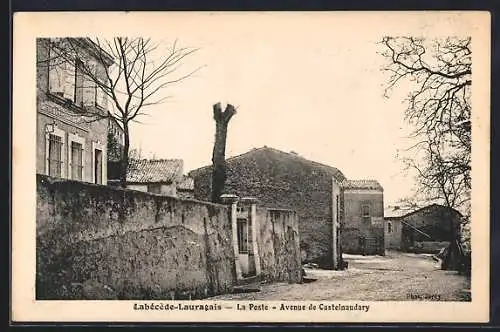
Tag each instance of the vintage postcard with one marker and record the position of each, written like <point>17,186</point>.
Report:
<point>251,166</point>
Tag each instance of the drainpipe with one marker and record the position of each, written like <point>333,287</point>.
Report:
<point>232,201</point>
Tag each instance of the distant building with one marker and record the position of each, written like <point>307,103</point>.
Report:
<point>158,176</point>
<point>362,229</point>
<point>68,144</point>
<point>427,229</point>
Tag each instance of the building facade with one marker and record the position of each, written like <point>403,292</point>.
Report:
<point>285,180</point>
<point>362,229</point>
<point>427,229</point>
<point>72,127</point>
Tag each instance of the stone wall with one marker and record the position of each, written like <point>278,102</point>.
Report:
<point>279,245</point>
<point>286,181</point>
<point>139,245</point>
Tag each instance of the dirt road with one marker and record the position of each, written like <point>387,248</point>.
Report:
<point>394,277</point>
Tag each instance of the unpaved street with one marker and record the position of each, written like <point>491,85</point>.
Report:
<point>394,277</point>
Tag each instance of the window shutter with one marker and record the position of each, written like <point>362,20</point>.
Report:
<point>89,93</point>
<point>101,98</point>
<point>56,75</point>
<point>69,81</point>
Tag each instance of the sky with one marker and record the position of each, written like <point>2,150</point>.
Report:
<point>309,84</point>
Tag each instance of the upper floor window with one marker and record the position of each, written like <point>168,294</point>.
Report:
<point>61,77</point>
<point>389,227</point>
<point>365,212</point>
<point>74,80</point>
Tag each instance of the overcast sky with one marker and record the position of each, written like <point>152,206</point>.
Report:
<point>307,83</point>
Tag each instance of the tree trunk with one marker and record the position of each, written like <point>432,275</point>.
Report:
<point>124,160</point>
<point>452,258</point>
<point>219,153</point>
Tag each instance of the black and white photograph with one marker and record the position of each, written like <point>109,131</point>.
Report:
<point>262,164</point>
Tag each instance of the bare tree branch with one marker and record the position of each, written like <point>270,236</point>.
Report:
<point>130,78</point>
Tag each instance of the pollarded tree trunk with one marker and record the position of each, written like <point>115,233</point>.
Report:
<point>219,153</point>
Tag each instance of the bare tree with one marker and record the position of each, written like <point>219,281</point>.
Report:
<point>132,83</point>
<point>219,152</point>
<point>438,74</point>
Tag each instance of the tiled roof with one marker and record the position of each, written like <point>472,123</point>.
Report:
<point>186,183</point>
<point>399,212</point>
<point>395,212</point>
<point>362,184</point>
<point>290,155</point>
<point>150,171</point>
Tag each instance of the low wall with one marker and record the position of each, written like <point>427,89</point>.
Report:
<point>279,245</point>
<point>428,247</point>
<point>369,241</point>
<point>135,245</point>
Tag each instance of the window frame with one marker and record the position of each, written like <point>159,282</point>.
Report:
<point>366,217</point>
<point>62,134</point>
<point>80,140</point>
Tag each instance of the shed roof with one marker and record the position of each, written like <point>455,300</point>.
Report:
<point>154,170</point>
<point>401,212</point>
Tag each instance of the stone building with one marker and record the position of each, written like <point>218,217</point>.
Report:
<point>287,181</point>
<point>68,144</point>
<point>427,229</point>
<point>362,229</point>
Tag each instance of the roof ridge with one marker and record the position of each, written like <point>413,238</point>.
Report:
<point>265,147</point>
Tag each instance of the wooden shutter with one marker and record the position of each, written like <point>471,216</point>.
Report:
<point>56,75</point>
<point>69,81</point>
<point>89,93</point>
<point>101,98</point>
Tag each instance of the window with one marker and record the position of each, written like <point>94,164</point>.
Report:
<point>154,188</point>
<point>389,227</point>
<point>76,161</point>
<point>85,88</point>
<point>98,166</point>
<point>61,76</point>
<point>55,151</point>
<point>101,99</point>
<point>242,228</point>
<point>55,156</point>
<point>76,156</point>
<point>365,212</point>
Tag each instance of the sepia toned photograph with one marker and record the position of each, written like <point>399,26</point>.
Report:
<point>229,167</point>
